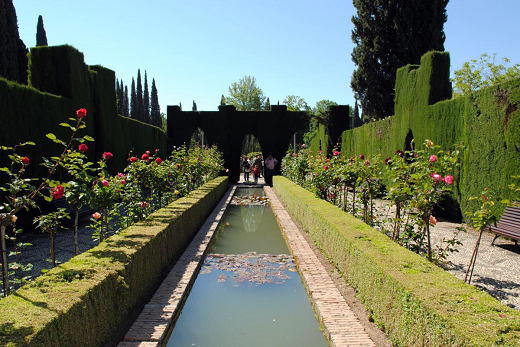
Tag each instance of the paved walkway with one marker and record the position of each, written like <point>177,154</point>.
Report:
<point>341,326</point>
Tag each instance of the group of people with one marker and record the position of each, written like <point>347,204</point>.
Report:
<point>259,168</point>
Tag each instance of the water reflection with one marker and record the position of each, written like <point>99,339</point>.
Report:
<point>251,216</point>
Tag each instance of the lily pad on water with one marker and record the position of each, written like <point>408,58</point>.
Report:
<point>249,200</point>
<point>251,267</point>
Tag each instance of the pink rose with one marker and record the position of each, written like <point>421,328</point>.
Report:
<point>133,159</point>
<point>303,145</point>
<point>335,153</point>
<point>367,162</point>
<point>433,158</point>
<point>123,182</point>
<point>436,177</point>
<point>96,215</point>
<point>144,204</point>
<point>145,157</point>
<point>362,156</point>
<point>433,220</point>
<point>105,183</point>
<point>107,155</point>
<point>326,167</point>
<point>448,179</point>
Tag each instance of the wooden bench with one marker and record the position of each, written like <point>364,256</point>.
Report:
<point>508,225</point>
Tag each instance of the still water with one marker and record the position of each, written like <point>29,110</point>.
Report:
<point>248,292</point>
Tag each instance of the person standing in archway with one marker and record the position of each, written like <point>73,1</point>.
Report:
<point>270,163</point>
<point>246,164</point>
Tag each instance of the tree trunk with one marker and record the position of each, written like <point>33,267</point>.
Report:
<point>428,240</point>
<point>76,217</point>
<point>53,254</point>
<point>5,273</point>
<point>473,259</point>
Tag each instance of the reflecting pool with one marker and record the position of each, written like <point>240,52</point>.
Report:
<point>248,292</point>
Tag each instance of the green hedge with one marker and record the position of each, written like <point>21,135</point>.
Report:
<point>60,83</point>
<point>487,122</point>
<point>83,302</point>
<point>415,302</point>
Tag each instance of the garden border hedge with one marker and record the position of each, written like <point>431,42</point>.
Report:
<point>85,301</point>
<point>414,301</point>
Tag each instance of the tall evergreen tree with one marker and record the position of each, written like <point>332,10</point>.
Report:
<point>121,98</point>
<point>155,109</point>
<point>126,111</point>
<point>194,107</point>
<point>222,100</point>
<point>13,52</point>
<point>41,36</point>
<point>268,105</point>
<point>133,101</point>
<point>139,98</point>
<point>390,34</point>
<point>146,100</point>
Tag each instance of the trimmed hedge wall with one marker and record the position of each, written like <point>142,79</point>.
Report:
<point>417,303</point>
<point>60,83</point>
<point>487,122</point>
<point>83,302</point>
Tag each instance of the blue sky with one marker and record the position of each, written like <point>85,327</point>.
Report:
<point>195,49</point>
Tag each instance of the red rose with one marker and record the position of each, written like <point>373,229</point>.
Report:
<point>81,113</point>
<point>326,167</point>
<point>158,160</point>
<point>25,161</point>
<point>145,157</point>
<point>133,159</point>
<point>107,155</point>
<point>83,148</point>
<point>362,157</point>
<point>58,192</point>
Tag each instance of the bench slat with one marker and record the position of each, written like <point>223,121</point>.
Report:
<point>509,224</point>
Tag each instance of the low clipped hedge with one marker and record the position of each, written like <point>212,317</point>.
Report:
<point>414,301</point>
<point>85,301</point>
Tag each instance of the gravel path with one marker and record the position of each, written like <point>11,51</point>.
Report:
<point>497,269</point>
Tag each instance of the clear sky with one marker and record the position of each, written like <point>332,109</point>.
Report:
<point>195,49</point>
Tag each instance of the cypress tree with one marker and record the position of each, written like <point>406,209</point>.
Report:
<point>139,98</point>
<point>390,34</point>
<point>126,111</point>
<point>268,105</point>
<point>222,100</point>
<point>155,109</point>
<point>13,52</point>
<point>118,100</point>
<point>121,98</point>
<point>41,36</point>
<point>133,101</point>
<point>194,107</point>
<point>146,100</point>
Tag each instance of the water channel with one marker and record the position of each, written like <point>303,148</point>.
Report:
<point>248,292</point>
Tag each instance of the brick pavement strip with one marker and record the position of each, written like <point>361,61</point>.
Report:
<point>342,327</point>
<point>154,322</point>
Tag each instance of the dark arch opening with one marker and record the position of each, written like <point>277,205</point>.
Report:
<point>250,149</point>
<point>198,138</point>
